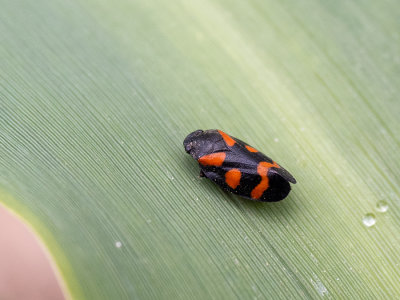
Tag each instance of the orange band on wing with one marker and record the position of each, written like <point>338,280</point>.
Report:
<point>251,149</point>
<point>214,159</point>
<point>232,178</point>
<point>262,169</point>
<point>228,140</point>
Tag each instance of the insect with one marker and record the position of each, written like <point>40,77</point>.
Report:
<point>237,167</point>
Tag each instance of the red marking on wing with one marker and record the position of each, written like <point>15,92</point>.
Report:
<point>232,178</point>
<point>262,169</point>
<point>214,159</point>
<point>228,140</point>
<point>251,149</point>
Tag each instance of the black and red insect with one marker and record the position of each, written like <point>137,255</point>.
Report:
<point>237,167</point>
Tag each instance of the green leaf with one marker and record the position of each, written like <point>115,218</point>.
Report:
<point>97,97</point>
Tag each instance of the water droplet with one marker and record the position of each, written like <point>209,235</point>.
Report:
<point>118,244</point>
<point>382,206</point>
<point>276,140</point>
<point>148,221</point>
<point>236,261</point>
<point>369,220</point>
<point>170,176</point>
<point>302,129</point>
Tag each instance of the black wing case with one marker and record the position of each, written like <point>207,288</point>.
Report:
<point>262,157</point>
